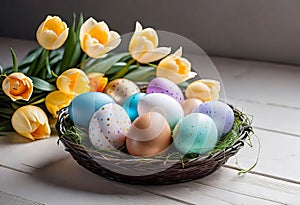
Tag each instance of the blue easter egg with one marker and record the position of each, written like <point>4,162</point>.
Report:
<point>196,133</point>
<point>85,105</point>
<point>220,112</point>
<point>131,103</point>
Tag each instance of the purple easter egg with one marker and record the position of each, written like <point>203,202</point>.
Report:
<point>220,112</point>
<point>165,86</point>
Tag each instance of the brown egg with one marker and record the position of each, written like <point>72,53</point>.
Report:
<point>148,135</point>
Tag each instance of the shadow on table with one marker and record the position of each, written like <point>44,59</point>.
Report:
<point>67,173</point>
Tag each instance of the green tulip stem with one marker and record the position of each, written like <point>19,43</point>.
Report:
<point>48,63</point>
<point>152,65</point>
<point>123,70</point>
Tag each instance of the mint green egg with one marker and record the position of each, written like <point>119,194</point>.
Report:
<point>196,133</point>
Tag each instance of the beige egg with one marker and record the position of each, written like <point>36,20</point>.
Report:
<point>189,104</point>
<point>121,88</point>
<point>148,135</point>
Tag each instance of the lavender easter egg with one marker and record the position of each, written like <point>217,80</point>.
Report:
<point>220,112</point>
<point>165,86</point>
<point>196,133</point>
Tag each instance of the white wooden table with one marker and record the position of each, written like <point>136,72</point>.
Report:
<point>41,172</point>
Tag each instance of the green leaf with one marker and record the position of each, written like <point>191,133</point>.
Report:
<point>7,111</point>
<point>42,84</point>
<point>33,54</point>
<point>5,126</point>
<point>103,65</point>
<point>15,60</point>
<point>143,74</point>
<point>48,63</point>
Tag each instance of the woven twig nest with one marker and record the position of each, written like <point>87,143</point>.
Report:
<point>167,169</point>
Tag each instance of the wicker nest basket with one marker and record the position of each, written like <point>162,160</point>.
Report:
<point>156,170</point>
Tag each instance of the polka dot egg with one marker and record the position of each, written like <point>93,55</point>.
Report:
<point>109,126</point>
<point>120,89</point>
<point>165,86</point>
<point>196,133</point>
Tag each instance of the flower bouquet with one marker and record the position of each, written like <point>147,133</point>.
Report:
<point>141,116</point>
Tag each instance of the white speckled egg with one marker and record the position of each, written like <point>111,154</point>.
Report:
<point>196,133</point>
<point>190,104</point>
<point>163,104</point>
<point>108,127</point>
<point>148,135</point>
<point>220,112</point>
<point>120,89</point>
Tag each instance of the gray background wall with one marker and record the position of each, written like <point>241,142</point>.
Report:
<point>266,30</point>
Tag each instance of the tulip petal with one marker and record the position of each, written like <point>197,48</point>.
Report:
<point>47,39</point>
<point>86,27</point>
<point>138,27</point>
<point>154,54</point>
<point>61,39</point>
<point>178,53</point>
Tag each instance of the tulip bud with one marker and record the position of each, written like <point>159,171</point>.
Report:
<point>73,82</point>
<point>175,68</point>
<point>96,39</point>
<point>204,90</point>
<point>31,122</point>
<point>56,100</point>
<point>52,33</point>
<point>17,86</point>
<point>143,45</point>
<point>97,82</point>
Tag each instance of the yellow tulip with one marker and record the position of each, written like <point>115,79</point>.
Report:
<point>175,68</point>
<point>143,45</point>
<point>204,90</point>
<point>57,100</point>
<point>52,33</point>
<point>96,39</point>
<point>97,82</point>
<point>31,122</point>
<point>73,82</point>
<point>17,86</point>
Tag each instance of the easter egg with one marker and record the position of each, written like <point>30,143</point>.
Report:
<point>131,103</point>
<point>166,86</point>
<point>108,127</point>
<point>120,89</point>
<point>148,135</point>
<point>196,133</point>
<point>220,112</point>
<point>164,104</point>
<point>190,104</point>
<point>82,107</point>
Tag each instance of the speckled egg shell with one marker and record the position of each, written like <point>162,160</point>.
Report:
<point>196,133</point>
<point>131,103</point>
<point>120,89</point>
<point>220,112</point>
<point>190,104</point>
<point>82,107</point>
<point>163,104</point>
<point>163,85</point>
<point>108,127</point>
<point>148,135</point>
